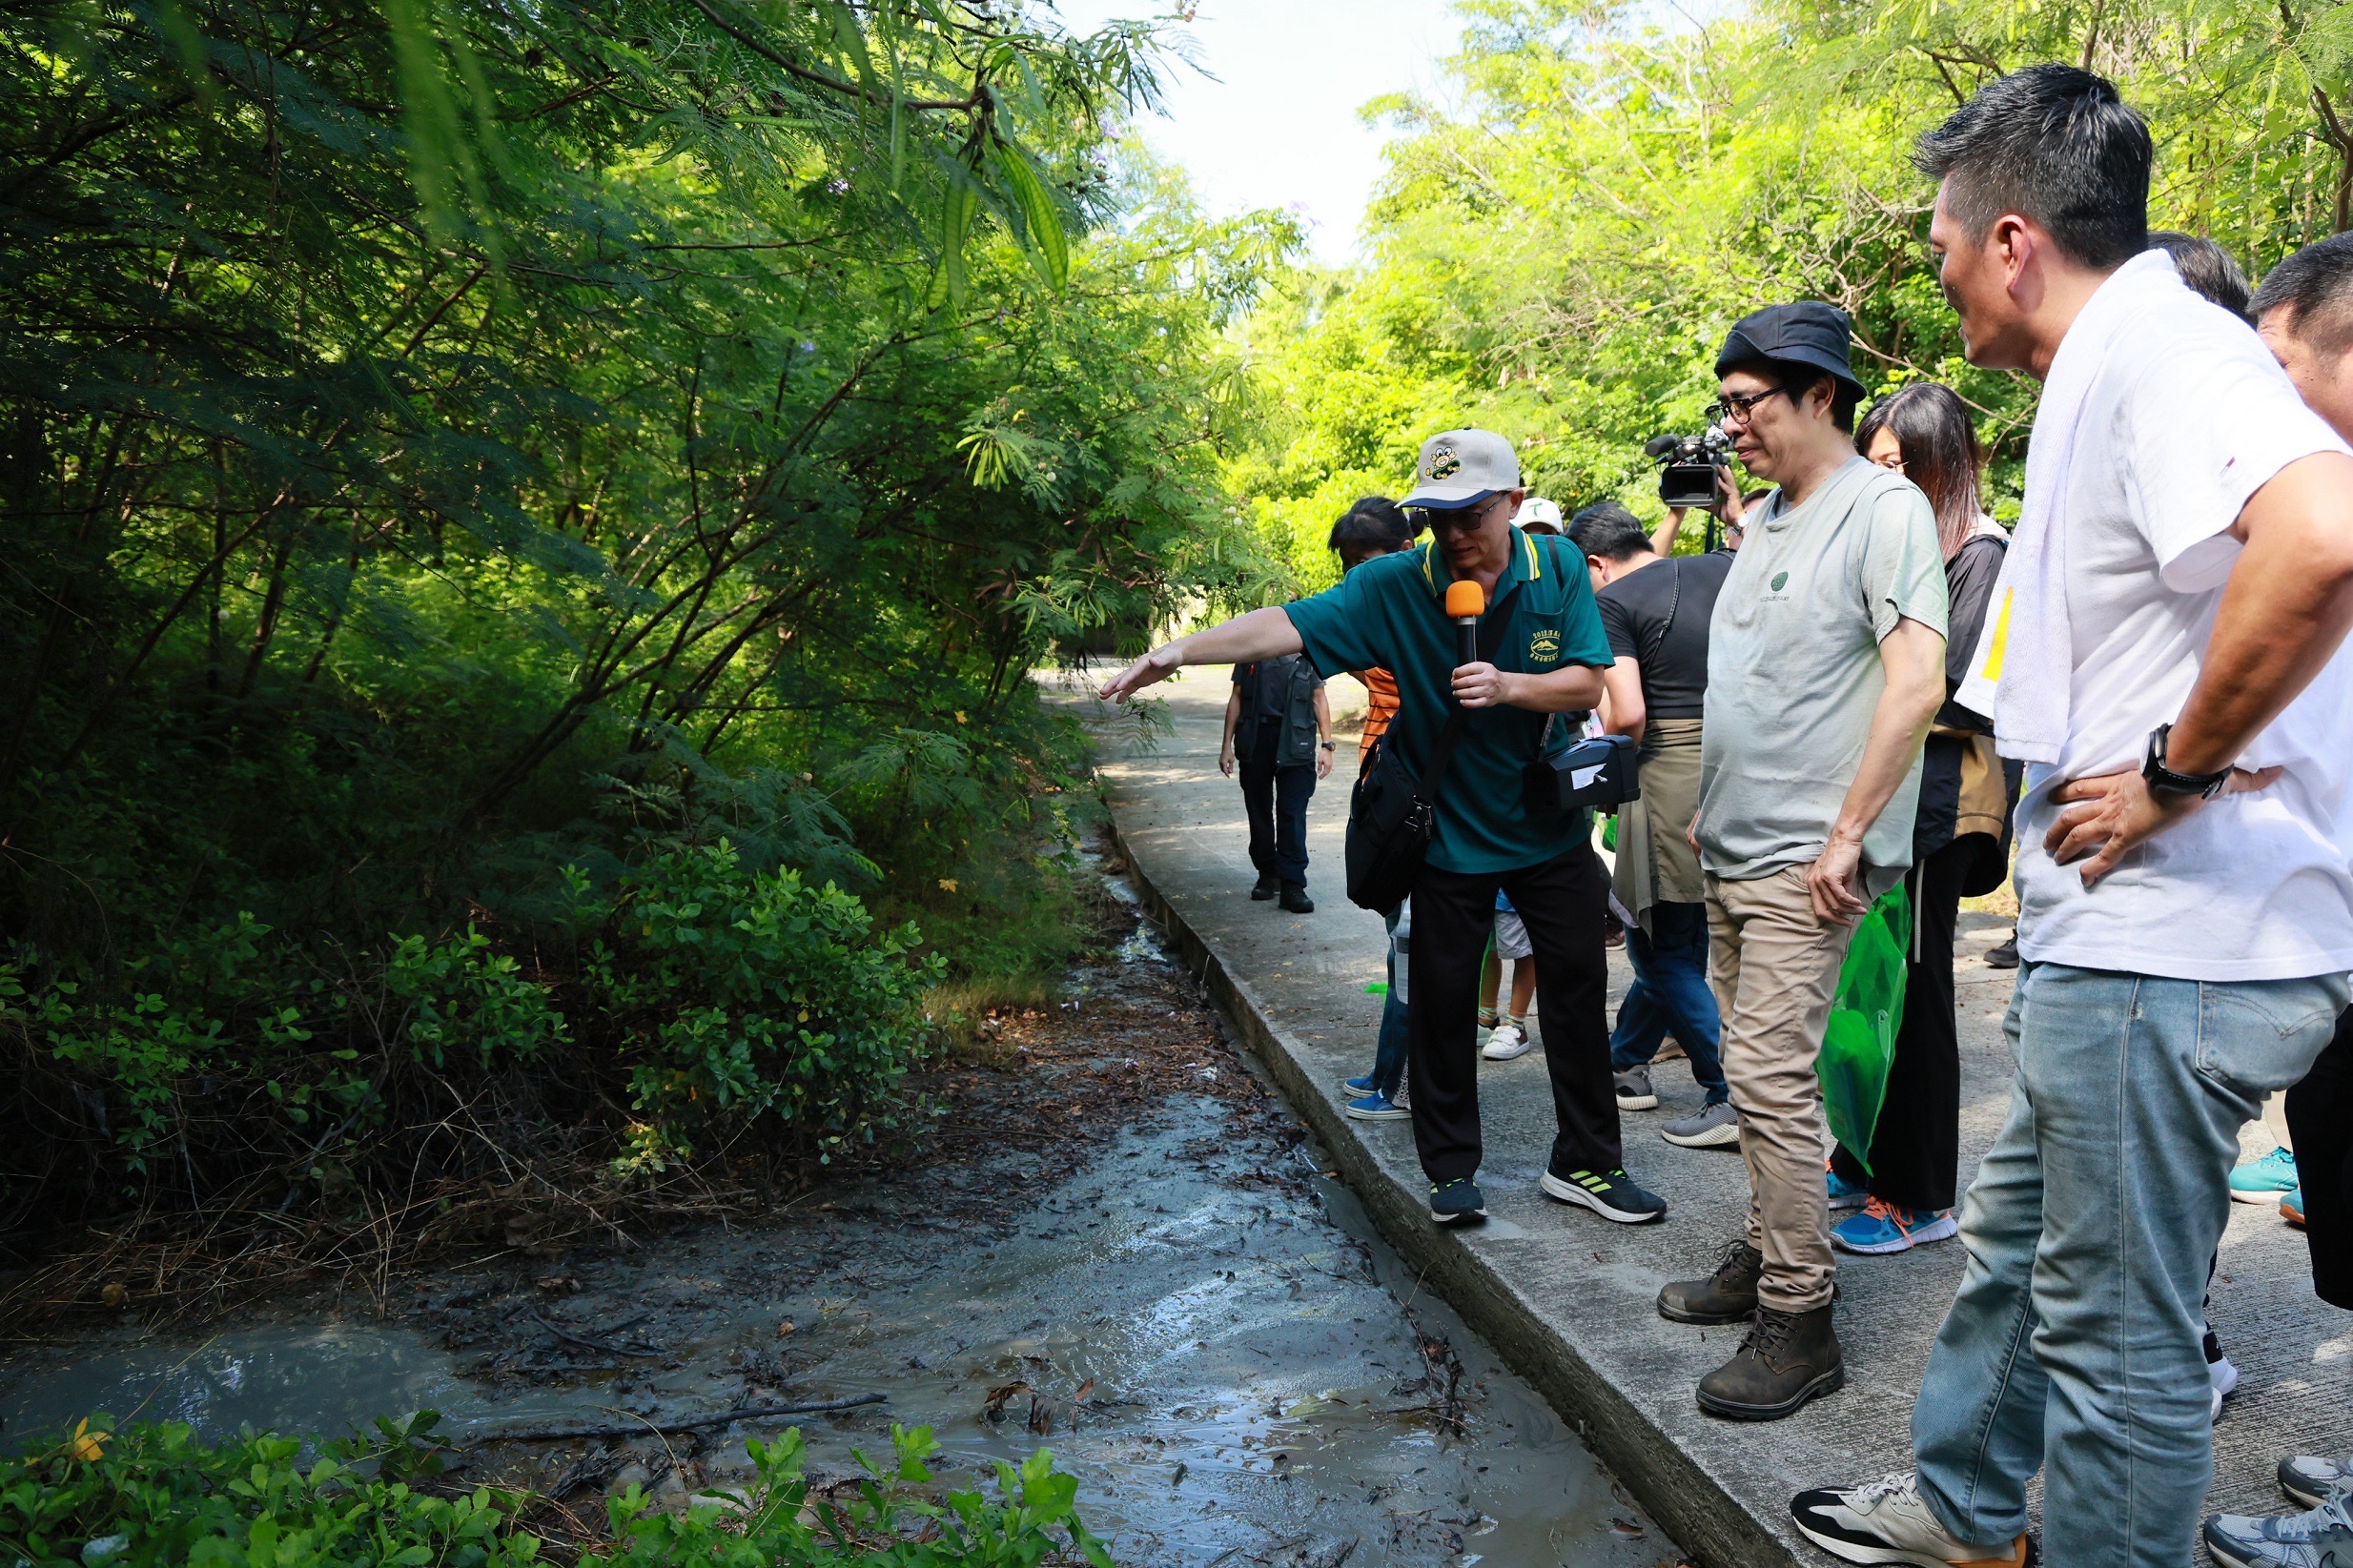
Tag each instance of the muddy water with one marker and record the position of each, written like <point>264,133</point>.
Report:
<point>1204,1330</point>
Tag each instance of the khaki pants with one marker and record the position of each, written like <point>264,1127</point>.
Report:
<point>1775,969</point>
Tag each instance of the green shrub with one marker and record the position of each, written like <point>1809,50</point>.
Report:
<point>883,1525</point>
<point>748,1000</point>
<point>461,995</point>
<point>154,1496</point>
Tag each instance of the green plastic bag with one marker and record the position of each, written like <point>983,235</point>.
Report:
<point>1859,1042</point>
<point>1610,832</point>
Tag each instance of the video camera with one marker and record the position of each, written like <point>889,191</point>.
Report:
<point>1688,465</point>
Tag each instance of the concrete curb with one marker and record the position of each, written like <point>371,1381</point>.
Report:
<point>1697,1510</point>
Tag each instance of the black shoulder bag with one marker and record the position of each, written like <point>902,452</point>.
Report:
<point>1392,815</point>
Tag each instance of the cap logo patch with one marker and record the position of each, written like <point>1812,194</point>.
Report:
<point>1444,465</point>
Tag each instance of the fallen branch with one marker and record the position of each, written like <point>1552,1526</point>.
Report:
<point>725,1417</point>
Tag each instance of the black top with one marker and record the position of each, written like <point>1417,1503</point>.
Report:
<point>1277,709</point>
<point>1658,616</point>
<point>1969,580</point>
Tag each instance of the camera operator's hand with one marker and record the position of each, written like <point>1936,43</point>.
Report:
<point>1728,505</point>
<point>1481,685</point>
<point>1835,883</point>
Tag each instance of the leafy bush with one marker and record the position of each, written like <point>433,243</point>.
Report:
<point>885,1524</point>
<point>756,999</point>
<point>155,1496</point>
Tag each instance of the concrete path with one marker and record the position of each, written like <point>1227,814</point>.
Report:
<point>1569,1297</point>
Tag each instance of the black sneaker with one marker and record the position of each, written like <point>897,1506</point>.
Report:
<point>1295,899</point>
<point>1457,1202</point>
<point>2004,954</point>
<point>1266,888</point>
<point>1609,1193</point>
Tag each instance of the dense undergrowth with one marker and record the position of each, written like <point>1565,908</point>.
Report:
<point>155,1496</point>
<point>528,533</point>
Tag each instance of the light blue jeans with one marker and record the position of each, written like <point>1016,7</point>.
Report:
<point>2074,1343</point>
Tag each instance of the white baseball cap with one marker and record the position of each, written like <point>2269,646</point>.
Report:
<point>1461,468</point>
<point>1538,513</point>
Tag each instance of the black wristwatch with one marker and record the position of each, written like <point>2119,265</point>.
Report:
<point>1328,745</point>
<point>2164,780</point>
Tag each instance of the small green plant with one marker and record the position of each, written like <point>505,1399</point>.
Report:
<point>155,1496</point>
<point>885,1524</point>
<point>462,995</point>
<point>751,998</point>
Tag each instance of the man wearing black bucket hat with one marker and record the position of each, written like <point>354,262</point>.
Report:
<point>1825,666</point>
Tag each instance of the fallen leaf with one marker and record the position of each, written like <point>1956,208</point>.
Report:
<point>784,1328</point>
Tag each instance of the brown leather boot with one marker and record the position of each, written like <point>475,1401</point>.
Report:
<point>1786,1359</point>
<point>1728,1295</point>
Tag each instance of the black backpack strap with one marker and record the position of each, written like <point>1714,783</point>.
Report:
<point>1492,626</point>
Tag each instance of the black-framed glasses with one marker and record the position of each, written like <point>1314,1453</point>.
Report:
<point>1735,409</point>
<point>1419,517</point>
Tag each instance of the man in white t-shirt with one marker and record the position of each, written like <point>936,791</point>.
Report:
<point>2163,654</point>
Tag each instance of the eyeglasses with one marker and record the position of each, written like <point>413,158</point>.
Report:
<point>1733,409</point>
<point>1419,517</point>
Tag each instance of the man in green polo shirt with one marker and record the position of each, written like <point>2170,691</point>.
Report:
<point>1391,612</point>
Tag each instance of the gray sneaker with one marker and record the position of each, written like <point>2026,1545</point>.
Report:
<point>2309,1479</point>
<point>1714,1127</point>
<point>1634,1090</point>
<point>2322,1539</point>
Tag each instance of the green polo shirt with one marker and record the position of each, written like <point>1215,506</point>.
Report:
<point>1391,612</point>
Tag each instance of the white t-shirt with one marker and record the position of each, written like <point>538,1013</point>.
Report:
<point>2189,416</point>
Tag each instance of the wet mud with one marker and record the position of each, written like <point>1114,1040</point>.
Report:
<point>1118,1245</point>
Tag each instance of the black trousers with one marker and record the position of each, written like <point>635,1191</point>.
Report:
<point>1562,903</point>
<point>2320,1119</point>
<point>1277,800</point>
<point>1915,1150</point>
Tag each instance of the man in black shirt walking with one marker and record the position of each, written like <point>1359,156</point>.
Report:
<point>1655,611</point>
<point>1278,726</point>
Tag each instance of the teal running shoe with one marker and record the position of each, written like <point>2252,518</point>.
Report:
<point>2266,1180</point>
<point>2292,1208</point>
<point>1844,1195</point>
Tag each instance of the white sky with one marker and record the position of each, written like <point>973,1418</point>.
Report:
<point>1278,127</point>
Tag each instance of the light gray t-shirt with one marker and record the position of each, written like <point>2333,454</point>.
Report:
<point>1793,673</point>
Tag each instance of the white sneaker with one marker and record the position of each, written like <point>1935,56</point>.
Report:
<point>1885,1522</point>
<point>1508,1040</point>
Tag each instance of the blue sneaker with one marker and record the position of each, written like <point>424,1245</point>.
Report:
<point>1883,1226</point>
<point>2292,1208</point>
<point>1844,1195</point>
<point>1358,1086</point>
<point>1376,1106</point>
<point>2266,1180</point>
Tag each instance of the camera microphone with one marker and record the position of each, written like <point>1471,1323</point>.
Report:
<point>1466,603</point>
<point>1659,446</point>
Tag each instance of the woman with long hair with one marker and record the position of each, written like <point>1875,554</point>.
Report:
<point>1960,846</point>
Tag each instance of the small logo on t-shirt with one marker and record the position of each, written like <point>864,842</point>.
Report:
<point>1781,580</point>
<point>1545,644</point>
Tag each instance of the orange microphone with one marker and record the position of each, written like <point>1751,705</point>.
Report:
<point>1466,603</point>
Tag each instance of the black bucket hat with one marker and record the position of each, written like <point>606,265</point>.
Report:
<point>1808,333</point>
